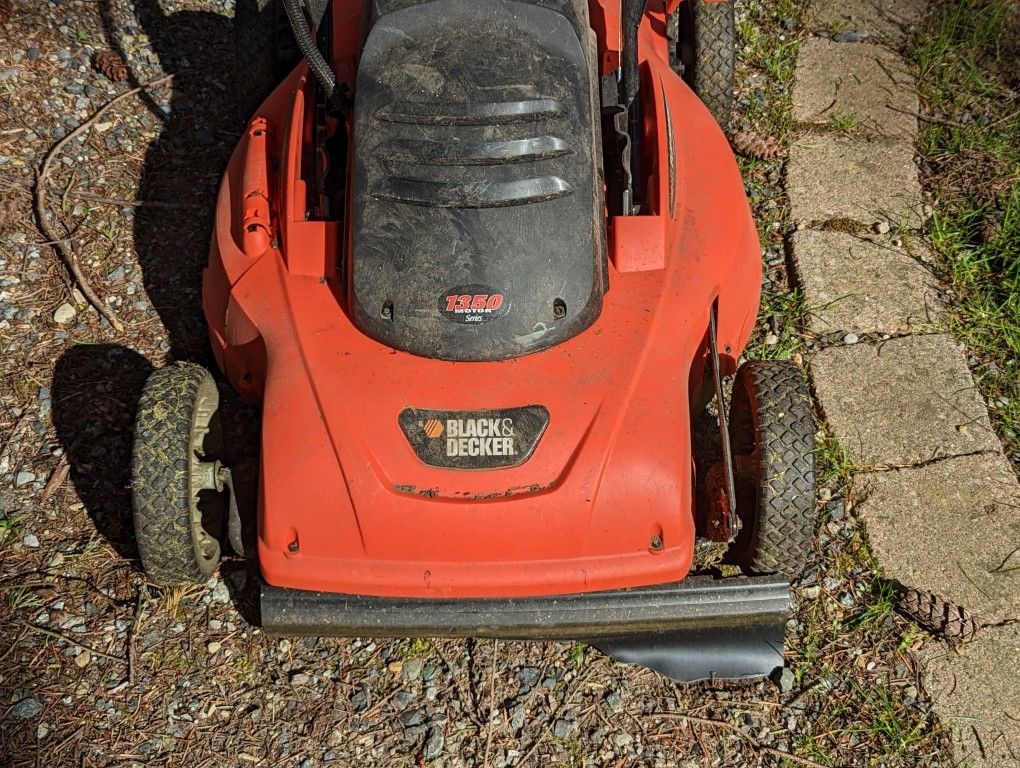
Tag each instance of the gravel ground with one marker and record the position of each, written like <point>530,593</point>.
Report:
<point>100,669</point>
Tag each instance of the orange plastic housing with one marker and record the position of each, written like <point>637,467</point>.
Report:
<point>345,503</point>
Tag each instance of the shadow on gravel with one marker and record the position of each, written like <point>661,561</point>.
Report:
<point>96,388</point>
<point>199,126</point>
<point>95,393</point>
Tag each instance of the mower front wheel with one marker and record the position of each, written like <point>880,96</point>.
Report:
<point>705,52</point>
<point>772,433</point>
<point>176,483</point>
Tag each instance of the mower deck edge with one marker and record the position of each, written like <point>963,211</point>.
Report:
<point>690,630</point>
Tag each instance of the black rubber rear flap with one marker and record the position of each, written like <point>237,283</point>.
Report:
<point>478,199</point>
<point>694,629</point>
<point>755,650</point>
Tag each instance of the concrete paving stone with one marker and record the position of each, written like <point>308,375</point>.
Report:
<point>886,21</point>
<point>836,177</point>
<point>950,527</point>
<point>863,285</point>
<point>903,401</point>
<point>868,82</point>
<point>976,692</point>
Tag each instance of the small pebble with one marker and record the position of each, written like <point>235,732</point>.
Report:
<point>851,338</point>
<point>26,708</point>
<point>412,668</point>
<point>771,340</point>
<point>30,540</point>
<point>64,314</point>
<point>528,677</point>
<point>434,743</point>
<point>220,593</point>
<point>882,227</point>
<point>786,680</point>
<point>563,728</point>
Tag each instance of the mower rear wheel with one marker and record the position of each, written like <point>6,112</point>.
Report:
<point>772,433</point>
<point>705,53</point>
<point>176,483</point>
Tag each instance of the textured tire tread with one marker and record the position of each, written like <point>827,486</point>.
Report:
<point>779,539</point>
<point>714,37</point>
<point>160,482</point>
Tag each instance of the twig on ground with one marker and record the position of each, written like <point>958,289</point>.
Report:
<point>568,694</point>
<point>57,478</point>
<point>927,118</point>
<point>42,630</point>
<point>28,184</point>
<point>65,252</point>
<point>753,742</point>
<point>492,702</point>
<point>465,694</point>
<point>136,622</point>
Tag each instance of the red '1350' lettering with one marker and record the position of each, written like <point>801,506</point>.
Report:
<point>480,302</point>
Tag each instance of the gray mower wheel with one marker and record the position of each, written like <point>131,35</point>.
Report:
<point>772,432</point>
<point>176,490</point>
<point>705,52</point>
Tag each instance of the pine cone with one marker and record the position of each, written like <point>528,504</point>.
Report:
<point>935,614</point>
<point>756,146</point>
<point>6,11</point>
<point>111,65</point>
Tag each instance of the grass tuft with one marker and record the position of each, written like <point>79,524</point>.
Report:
<point>968,60</point>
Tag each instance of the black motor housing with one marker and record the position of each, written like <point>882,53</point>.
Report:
<point>478,228</point>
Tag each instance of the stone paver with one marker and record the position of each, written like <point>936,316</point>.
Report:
<point>832,177</point>
<point>951,527</point>
<point>884,20</point>
<point>867,82</point>
<point>944,514</point>
<point>902,401</point>
<point>863,285</point>
<point>976,693</point>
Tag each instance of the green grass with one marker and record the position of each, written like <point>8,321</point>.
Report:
<point>771,63</point>
<point>844,123</point>
<point>789,313</point>
<point>968,61</point>
<point>879,603</point>
<point>416,648</point>
<point>833,464</point>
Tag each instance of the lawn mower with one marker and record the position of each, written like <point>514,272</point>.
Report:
<point>482,263</point>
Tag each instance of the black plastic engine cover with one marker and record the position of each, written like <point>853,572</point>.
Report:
<point>477,226</point>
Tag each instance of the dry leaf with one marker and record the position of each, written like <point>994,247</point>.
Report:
<point>56,480</point>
